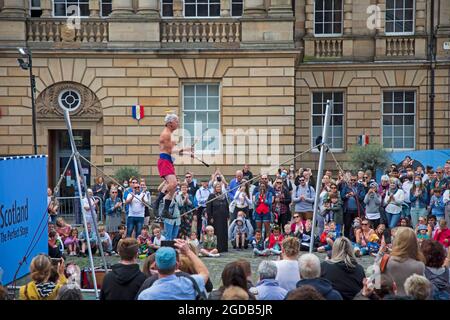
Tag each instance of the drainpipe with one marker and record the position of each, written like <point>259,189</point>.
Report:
<point>432,61</point>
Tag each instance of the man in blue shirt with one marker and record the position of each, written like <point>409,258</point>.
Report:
<point>268,288</point>
<point>352,195</point>
<point>234,184</point>
<point>170,286</point>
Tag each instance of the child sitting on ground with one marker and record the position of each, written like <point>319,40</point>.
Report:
<point>248,233</point>
<point>193,241</point>
<point>258,245</point>
<point>305,236</point>
<point>117,237</point>
<point>144,241</point>
<point>54,245</point>
<point>209,243</point>
<point>275,240</point>
<point>338,212</point>
<point>156,240</point>
<point>287,231</point>
<point>72,242</point>
<point>239,233</point>
<point>105,240</point>
<point>373,246</point>
<point>327,237</point>
<point>92,240</point>
<point>422,233</point>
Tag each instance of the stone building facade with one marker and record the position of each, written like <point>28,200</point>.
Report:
<point>259,75</point>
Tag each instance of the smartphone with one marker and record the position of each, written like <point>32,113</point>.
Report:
<point>168,243</point>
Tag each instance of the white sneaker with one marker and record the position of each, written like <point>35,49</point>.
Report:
<point>215,255</point>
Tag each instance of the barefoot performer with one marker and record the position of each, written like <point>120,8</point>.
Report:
<point>165,162</point>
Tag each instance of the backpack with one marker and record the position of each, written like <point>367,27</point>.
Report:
<point>200,295</point>
<point>440,284</point>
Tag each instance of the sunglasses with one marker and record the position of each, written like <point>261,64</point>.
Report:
<point>187,177</point>
<point>353,180</point>
<point>302,180</point>
<point>364,224</point>
<point>279,182</point>
<point>114,192</point>
<point>295,217</point>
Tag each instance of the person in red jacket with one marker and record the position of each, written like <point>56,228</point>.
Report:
<point>442,235</point>
<point>275,240</point>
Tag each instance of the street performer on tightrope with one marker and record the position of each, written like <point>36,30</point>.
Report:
<point>165,163</point>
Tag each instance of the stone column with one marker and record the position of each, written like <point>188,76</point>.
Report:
<point>348,16</point>
<point>148,8</point>
<point>46,6</point>
<point>309,22</point>
<point>421,17</point>
<point>122,8</point>
<point>225,8</point>
<point>280,8</point>
<point>178,8</point>
<point>94,8</point>
<point>14,8</point>
<point>253,8</point>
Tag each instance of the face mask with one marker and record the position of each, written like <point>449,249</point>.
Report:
<point>417,183</point>
<point>125,185</point>
<point>283,174</point>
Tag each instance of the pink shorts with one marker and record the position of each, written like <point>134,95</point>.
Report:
<point>165,167</point>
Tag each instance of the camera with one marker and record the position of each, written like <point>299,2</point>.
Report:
<point>168,243</point>
<point>219,179</point>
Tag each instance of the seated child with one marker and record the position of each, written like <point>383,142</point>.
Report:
<point>442,235</point>
<point>327,237</point>
<point>373,246</point>
<point>305,236</point>
<point>105,240</point>
<point>62,228</point>
<point>209,243</point>
<point>338,213</point>
<point>54,245</point>
<point>92,239</point>
<point>258,245</point>
<point>193,240</point>
<point>117,237</point>
<point>422,233</point>
<point>156,240</point>
<point>275,240</point>
<point>239,233</point>
<point>287,231</point>
<point>72,242</point>
<point>144,241</point>
<point>248,230</point>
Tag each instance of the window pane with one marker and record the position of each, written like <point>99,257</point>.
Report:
<point>398,96</point>
<point>337,143</point>
<point>189,117</point>
<point>398,4</point>
<point>408,15</point>
<point>409,120</point>
<point>398,131</point>
<point>317,108</point>
<point>317,131</point>
<point>387,142</point>
<point>236,10</point>
<point>398,107</point>
<point>328,4</point>
<point>202,10</point>
<point>408,26</point>
<point>328,16</point>
<point>319,29</point>
<point>213,117</point>
<point>60,10</point>
<point>338,97</point>
<point>189,90</point>
<point>337,5</point>
<point>201,90</point>
<point>387,131</point>
<point>317,121</point>
<point>213,90</point>
<point>387,96</point>
<point>201,103</point>
<point>328,28</point>
<point>338,131</point>
<point>189,103</point>
<point>337,28</point>
<point>201,117</point>
<point>387,107</point>
<point>317,97</point>
<point>409,107</point>
<point>409,131</point>
<point>338,108</point>
<point>398,120</point>
<point>389,26</point>
<point>213,103</point>
<point>319,4</point>
<point>409,96</point>
<point>214,10</point>
<point>336,120</point>
<point>189,10</point>
<point>387,120</point>
<point>398,143</point>
<point>409,143</point>
<point>319,16</point>
<point>398,27</point>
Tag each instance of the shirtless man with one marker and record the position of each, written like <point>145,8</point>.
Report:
<point>165,162</point>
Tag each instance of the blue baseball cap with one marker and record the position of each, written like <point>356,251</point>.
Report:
<point>165,258</point>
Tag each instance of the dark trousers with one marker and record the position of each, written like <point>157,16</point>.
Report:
<point>199,214</point>
<point>349,216</point>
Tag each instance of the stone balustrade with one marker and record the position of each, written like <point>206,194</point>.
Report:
<point>400,46</point>
<point>325,47</point>
<point>62,30</point>
<point>184,30</point>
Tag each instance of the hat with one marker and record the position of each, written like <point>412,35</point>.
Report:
<point>374,185</point>
<point>165,258</point>
<point>422,227</point>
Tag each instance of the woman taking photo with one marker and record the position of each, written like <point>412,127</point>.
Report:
<point>218,214</point>
<point>405,258</point>
<point>263,203</point>
<point>113,208</point>
<point>393,202</point>
<point>242,199</point>
<point>419,200</point>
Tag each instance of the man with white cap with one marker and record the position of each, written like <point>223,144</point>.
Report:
<point>165,162</point>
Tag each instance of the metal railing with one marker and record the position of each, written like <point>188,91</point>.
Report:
<point>70,209</point>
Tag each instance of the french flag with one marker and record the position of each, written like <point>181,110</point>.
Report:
<point>363,140</point>
<point>138,112</point>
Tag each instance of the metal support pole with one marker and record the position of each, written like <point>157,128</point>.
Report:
<point>323,151</point>
<point>33,105</point>
<point>79,173</point>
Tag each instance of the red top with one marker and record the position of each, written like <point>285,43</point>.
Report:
<point>443,236</point>
<point>274,240</point>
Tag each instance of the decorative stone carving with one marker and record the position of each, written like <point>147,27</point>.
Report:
<point>67,33</point>
<point>47,105</point>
